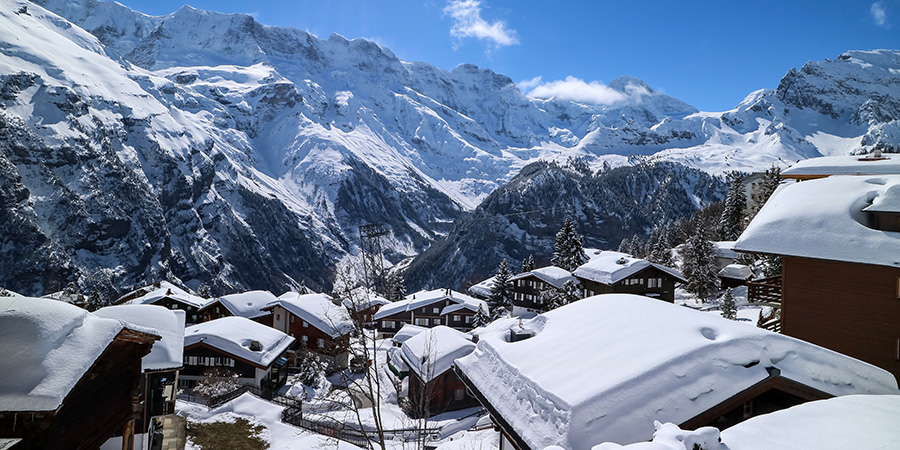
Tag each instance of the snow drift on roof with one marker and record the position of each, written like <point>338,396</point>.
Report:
<point>823,219</point>
<point>610,267</point>
<point>736,272</point>
<point>482,289</point>
<point>887,201</point>
<point>246,304</point>
<point>432,352</point>
<point>317,310</point>
<point>852,421</point>
<point>167,353</point>
<point>407,331</point>
<point>234,334</point>
<point>47,347</point>
<point>171,291</point>
<point>605,367</point>
<point>555,276</point>
<point>844,165</point>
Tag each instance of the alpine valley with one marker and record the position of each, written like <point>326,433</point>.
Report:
<point>210,150</point>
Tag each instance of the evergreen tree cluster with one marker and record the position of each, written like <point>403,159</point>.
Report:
<point>732,222</point>
<point>699,267</point>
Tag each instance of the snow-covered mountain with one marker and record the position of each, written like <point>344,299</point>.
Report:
<point>210,149</point>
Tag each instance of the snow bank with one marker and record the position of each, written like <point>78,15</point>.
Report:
<point>432,352</point>
<point>824,219</point>
<point>604,368</point>
<point>610,267</point>
<point>669,437</point>
<point>47,347</point>
<point>853,421</point>
<point>317,310</point>
<point>167,353</point>
<point>234,335</point>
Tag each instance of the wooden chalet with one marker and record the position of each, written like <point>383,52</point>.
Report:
<point>318,325</point>
<point>245,304</point>
<point>429,309</point>
<point>616,272</point>
<point>70,378</point>
<point>433,387</point>
<point>169,296</point>
<point>840,280</point>
<point>160,368</point>
<point>255,352</point>
<point>362,305</point>
<point>630,360</point>
<point>528,288</point>
<point>735,275</point>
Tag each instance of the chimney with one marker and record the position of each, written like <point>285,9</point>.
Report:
<point>255,346</point>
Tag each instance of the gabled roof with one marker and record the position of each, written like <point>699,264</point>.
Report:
<point>432,352</point>
<point>552,275</point>
<point>167,353</point>
<point>736,272</point>
<point>318,310</point>
<point>605,367</point>
<point>424,298</point>
<point>47,347</point>
<point>824,219</point>
<point>844,165</point>
<point>362,298</point>
<point>245,304</point>
<point>170,291</point>
<point>233,335</point>
<point>610,267</point>
<point>407,331</point>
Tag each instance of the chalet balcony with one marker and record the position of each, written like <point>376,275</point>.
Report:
<point>765,290</point>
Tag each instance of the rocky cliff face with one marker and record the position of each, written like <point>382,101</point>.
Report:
<point>207,148</point>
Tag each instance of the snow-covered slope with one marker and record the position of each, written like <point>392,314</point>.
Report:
<point>210,149</point>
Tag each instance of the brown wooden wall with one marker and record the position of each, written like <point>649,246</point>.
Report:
<point>440,391</point>
<point>847,307</point>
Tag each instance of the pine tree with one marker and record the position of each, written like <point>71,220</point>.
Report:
<point>501,291</point>
<point>732,222</point>
<point>729,308</point>
<point>568,251</point>
<point>528,264</point>
<point>700,268</point>
<point>481,317</point>
<point>661,254</point>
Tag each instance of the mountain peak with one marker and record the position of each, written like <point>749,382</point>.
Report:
<point>627,84</point>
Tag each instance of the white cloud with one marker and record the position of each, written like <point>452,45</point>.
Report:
<point>879,14</point>
<point>574,89</point>
<point>526,85</point>
<point>468,23</point>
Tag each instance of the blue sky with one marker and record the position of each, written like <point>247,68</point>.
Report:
<point>708,53</point>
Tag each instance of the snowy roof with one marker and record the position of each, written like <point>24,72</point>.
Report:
<point>167,353</point>
<point>852,421</point>
<point>171,291</point>
<point>459,306</point>
<point>318,310</point>
<point>48,346</point>
<point>736,272</point>
<point>407,331</point>
<point>234,334</point>
<point>425,298</point>
<point>669,436</point>
<point>823,219</point>
<point>433,351</point>
<point>362,298</point>
<point>605,367</point>
<point>555,276</point>
<point>482,289</point>
<point>725,249</point>
<point>844,165</point>
<point>887,201</point>
<point>245,304</point>
<point>610,267</point>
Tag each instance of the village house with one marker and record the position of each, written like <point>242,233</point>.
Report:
<point>433,387</point>
<point>861,165</point>
<point>244,304</point>
<point>528,287</point>
<point>160,368</point>
<point>255,352</point>
<point>69,378</point>
<point>429,309</point>
<point>734,275</point>
<point>641,360</point>
<point>318,325</point>
<point>840,277</point>
<point>616,272</point>
<point>171,297</point>
<point>363,304</point>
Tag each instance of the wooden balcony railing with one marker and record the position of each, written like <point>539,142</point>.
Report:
<point>765,290</point>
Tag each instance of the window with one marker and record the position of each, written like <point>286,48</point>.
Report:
<point>456,318</point>
<point>387,324</point>
<point>305,325</point>
<point>651,282</point>
<point>422,322</point>
<point>437,321</point>
<point>304,340</point>
<point>436,310</point>
<point>468,319</point>
<point>321,343</point>
<point>292,319</point>
<point>217,309</point>
<point>458,394</point>
<point>277,316</point>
